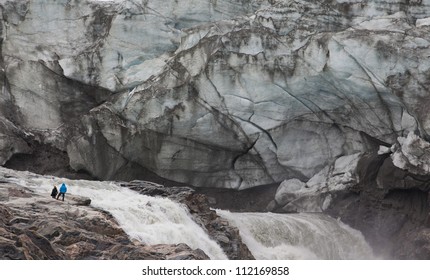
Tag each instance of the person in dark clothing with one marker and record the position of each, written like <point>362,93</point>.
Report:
<point>63,190</point>
<point>54,192</point>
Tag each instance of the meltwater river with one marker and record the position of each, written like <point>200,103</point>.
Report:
<point>154,220</point>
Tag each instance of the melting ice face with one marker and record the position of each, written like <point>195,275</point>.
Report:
<point>298,236</point>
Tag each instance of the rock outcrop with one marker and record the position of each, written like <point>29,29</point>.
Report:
<point>36,227</point>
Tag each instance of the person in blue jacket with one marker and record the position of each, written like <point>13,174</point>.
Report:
<point>63,190</point>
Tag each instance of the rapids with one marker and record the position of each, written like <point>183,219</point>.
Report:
<point>298,236</point>
<point>155,220</point>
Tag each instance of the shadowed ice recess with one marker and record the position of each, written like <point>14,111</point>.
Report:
<point>154,220</point>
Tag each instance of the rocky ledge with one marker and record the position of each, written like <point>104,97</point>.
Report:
<point>37,227</point>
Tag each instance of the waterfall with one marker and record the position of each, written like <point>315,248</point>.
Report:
<point>298,236</point>
<point>151,220</point>
<point>155,220</point>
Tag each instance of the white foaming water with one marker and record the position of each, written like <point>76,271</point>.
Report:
<point>154,220</point>
<point>151,220</point>
<point>298,236</point>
